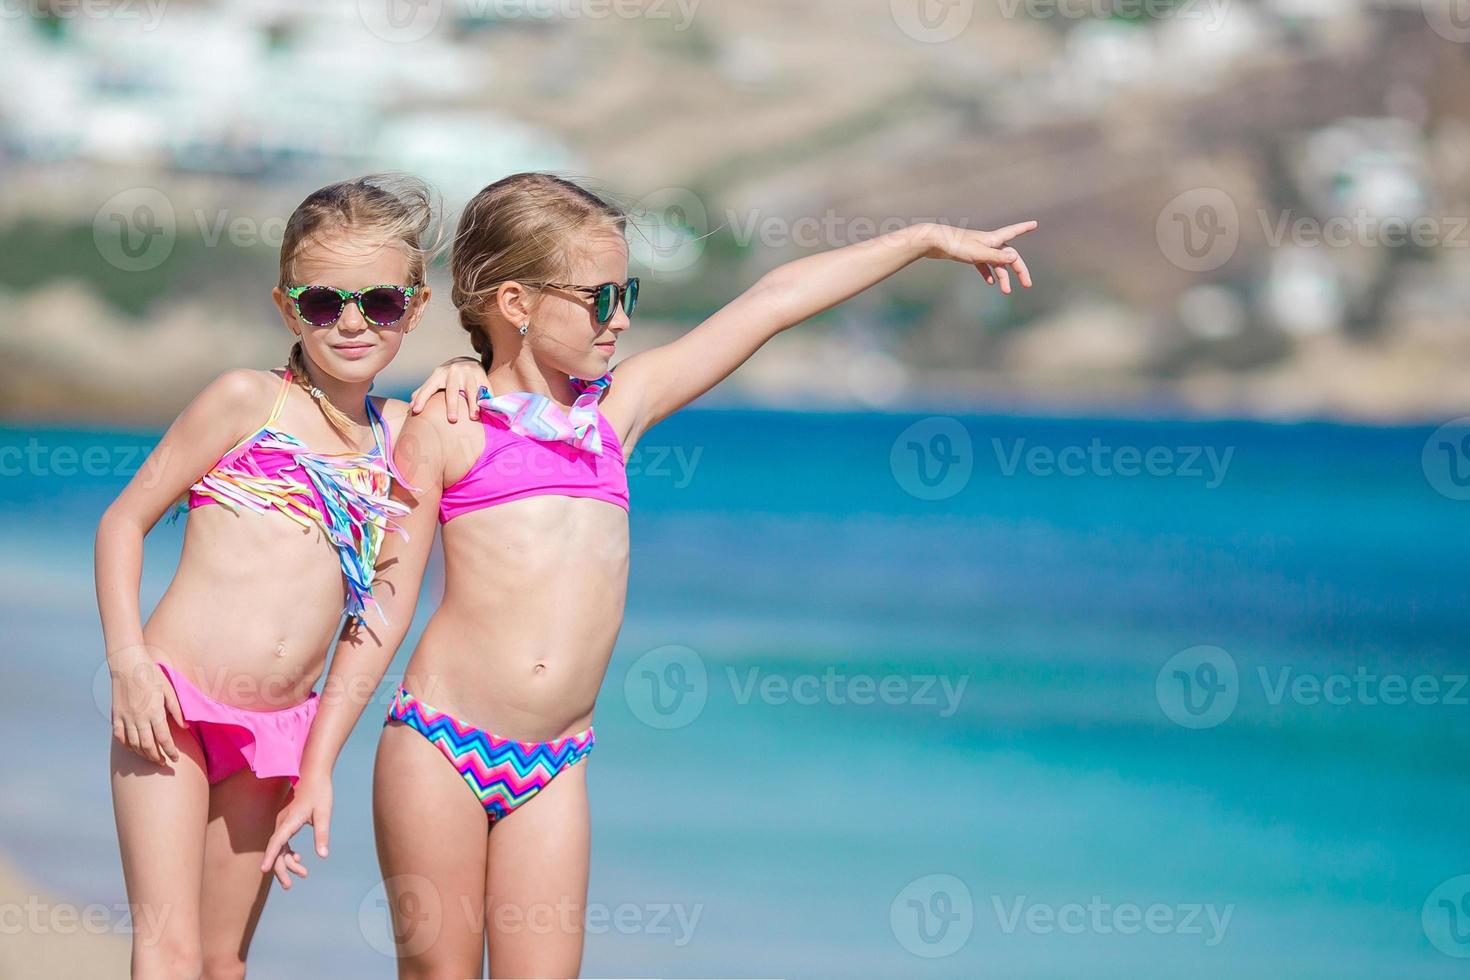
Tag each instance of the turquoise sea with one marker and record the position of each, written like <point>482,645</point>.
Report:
<point>905,696</point>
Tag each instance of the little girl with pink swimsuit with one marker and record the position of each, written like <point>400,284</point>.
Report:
<point>288,476</point>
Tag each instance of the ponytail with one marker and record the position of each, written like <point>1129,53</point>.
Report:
<point>340,420</point>
<point>479,339</point>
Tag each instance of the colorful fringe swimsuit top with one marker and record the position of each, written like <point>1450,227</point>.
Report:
<point>346,495</point>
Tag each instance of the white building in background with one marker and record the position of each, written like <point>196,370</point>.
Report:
<point>260,89</point>
<point>460,151</point>
<point>1304,293</point>
<point>1374,168</point>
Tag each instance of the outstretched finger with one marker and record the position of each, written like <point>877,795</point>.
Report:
<point>1015,231</point>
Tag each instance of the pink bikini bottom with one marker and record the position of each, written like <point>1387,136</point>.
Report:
<point>269,742</point>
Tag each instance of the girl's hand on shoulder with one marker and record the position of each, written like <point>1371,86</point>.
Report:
<point>988,251</point>
<point>143,701</point>
<point>459,378</point>
<point>310,803</point>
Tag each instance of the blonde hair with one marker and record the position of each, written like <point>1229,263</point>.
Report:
<point>383,208</point>
<point>523,228</point>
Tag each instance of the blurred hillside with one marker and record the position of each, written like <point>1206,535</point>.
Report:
<point>1247,208</point>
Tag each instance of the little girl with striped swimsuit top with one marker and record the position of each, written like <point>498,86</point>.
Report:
<point>288,476</point>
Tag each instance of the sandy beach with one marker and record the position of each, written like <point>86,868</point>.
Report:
<point>45,935</point>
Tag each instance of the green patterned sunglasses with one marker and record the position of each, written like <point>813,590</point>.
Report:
<point>322,306</point>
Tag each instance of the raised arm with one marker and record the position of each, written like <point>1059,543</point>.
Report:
<point>364,651</point>
<point>206,430</point>
<point>662,380</point>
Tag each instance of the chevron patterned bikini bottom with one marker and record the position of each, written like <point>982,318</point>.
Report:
<point>502,772</point>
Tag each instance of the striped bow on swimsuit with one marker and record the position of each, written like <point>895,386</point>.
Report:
<point>538,417</point>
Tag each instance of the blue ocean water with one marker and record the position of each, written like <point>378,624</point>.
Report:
<point>904,695</point>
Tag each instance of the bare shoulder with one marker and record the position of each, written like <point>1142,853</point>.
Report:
<point>242,390</point>
<point>456,445</point>
<point>433,423</point>
<point>227,409</point>
<point>246,383</point>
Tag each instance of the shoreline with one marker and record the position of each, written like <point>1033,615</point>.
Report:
<point>1159,409</point>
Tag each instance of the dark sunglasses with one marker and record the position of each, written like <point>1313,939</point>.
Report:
<point>321,306</point>
<point>608,296</point>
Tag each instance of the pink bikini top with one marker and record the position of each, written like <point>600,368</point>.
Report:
<point>532,447</point>
<point>346,495</point>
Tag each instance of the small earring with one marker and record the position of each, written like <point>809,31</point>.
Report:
<point>524,327</point>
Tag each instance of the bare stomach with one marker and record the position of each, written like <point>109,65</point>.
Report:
<point>533,602</point>
<point>252,610</point>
